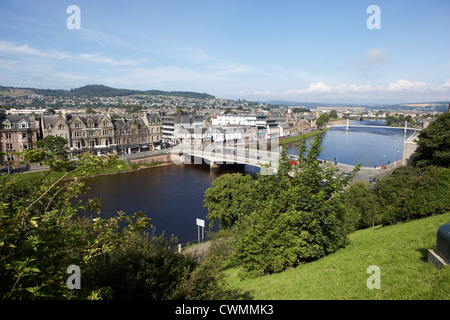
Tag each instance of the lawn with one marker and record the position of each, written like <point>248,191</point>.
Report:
<point>119,166</point>
<point>301,136</point>
<point>400,251</point>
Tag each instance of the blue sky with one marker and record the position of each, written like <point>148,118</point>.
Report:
<point>306,51</point>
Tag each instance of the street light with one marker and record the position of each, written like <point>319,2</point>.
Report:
<point>383,161</point>
<point>397,157</point>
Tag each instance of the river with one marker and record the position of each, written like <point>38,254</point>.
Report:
<point>368,146</point>
<point>172,196</point>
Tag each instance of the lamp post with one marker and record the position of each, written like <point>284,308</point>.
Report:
<point>397,157</point>
<point>383,161</point>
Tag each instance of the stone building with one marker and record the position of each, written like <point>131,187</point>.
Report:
<point>102,134</point>
<point>17,133</point>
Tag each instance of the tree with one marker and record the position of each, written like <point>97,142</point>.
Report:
<point>227,197</point>
<point>322,119</point>
<point>44,230</point>
<point>333,114</point>
<point>293,216</point>
<point>434,144</point>
<point>52,144</point>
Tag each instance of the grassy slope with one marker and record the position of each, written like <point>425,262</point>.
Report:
<point>302,136</point>
<point>400,251</point>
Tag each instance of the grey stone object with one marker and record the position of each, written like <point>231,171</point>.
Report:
<point>441,256</point>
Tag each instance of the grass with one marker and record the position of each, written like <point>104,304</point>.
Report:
<point>119,166</point>
<point>399,250</point>
<point>299,137</point>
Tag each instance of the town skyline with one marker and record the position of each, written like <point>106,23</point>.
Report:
<point>318,51</point>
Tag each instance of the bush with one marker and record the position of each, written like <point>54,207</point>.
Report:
<point>145,268</point>
<point>412,193</point>
<point>291,217</point>
<point>364,209</point>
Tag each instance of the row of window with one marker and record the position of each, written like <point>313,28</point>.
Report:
<point>20,125</point>
<point>23,135</point>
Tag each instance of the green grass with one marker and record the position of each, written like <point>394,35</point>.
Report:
<point>119,166</point>
<point>400,251</point>
<point>299,137</point>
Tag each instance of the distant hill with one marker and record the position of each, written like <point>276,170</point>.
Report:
<point>104,91</point>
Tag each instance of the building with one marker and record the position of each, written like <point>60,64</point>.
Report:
<point>17,133</point>
<point>102,134</point>
<point>171,124</point>
<point>15,112</point>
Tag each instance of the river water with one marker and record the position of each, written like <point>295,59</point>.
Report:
<point>172,196</point>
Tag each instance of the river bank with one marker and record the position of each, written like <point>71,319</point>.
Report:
<point>301,136</point>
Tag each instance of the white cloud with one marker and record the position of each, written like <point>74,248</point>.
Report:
<point>95,57</point>
<point>373,57</point>
<point>400,90</point>
<point>24,51</point>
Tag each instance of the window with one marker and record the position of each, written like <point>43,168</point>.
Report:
<point>60,126</point>
<point>23,125</point>
<point>77,124</point>
<point>9,146</point>
<point>7,124</point>
<point>24,136</point>
<point>8,136</point>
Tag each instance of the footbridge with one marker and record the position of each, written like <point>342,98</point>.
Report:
<point>348,125</point>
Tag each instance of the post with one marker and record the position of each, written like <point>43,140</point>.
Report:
<point>200,223</point>
<point>348,120</point>
<point>406,126</point>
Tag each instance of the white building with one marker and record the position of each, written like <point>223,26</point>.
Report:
<point>15,112</point>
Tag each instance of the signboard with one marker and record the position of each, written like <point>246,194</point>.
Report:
<point>201,222</point>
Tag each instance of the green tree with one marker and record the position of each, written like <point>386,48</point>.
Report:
<point>293,216</point>
<point>363,206</point>
<point>227,198</point>
<point>54,145</point>
<point>322,119</point>
<point>333,114</point>
<point>434,143</point>
<point>44,229</point>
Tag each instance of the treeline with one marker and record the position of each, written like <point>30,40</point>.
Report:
<point>104,91</point>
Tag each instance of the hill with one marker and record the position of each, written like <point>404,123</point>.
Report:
<point>103,91</point>
<point>399,250</point>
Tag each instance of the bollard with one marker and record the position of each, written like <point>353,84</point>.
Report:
<point>441,256</point>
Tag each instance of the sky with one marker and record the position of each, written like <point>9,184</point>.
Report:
<point>258,50</point>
